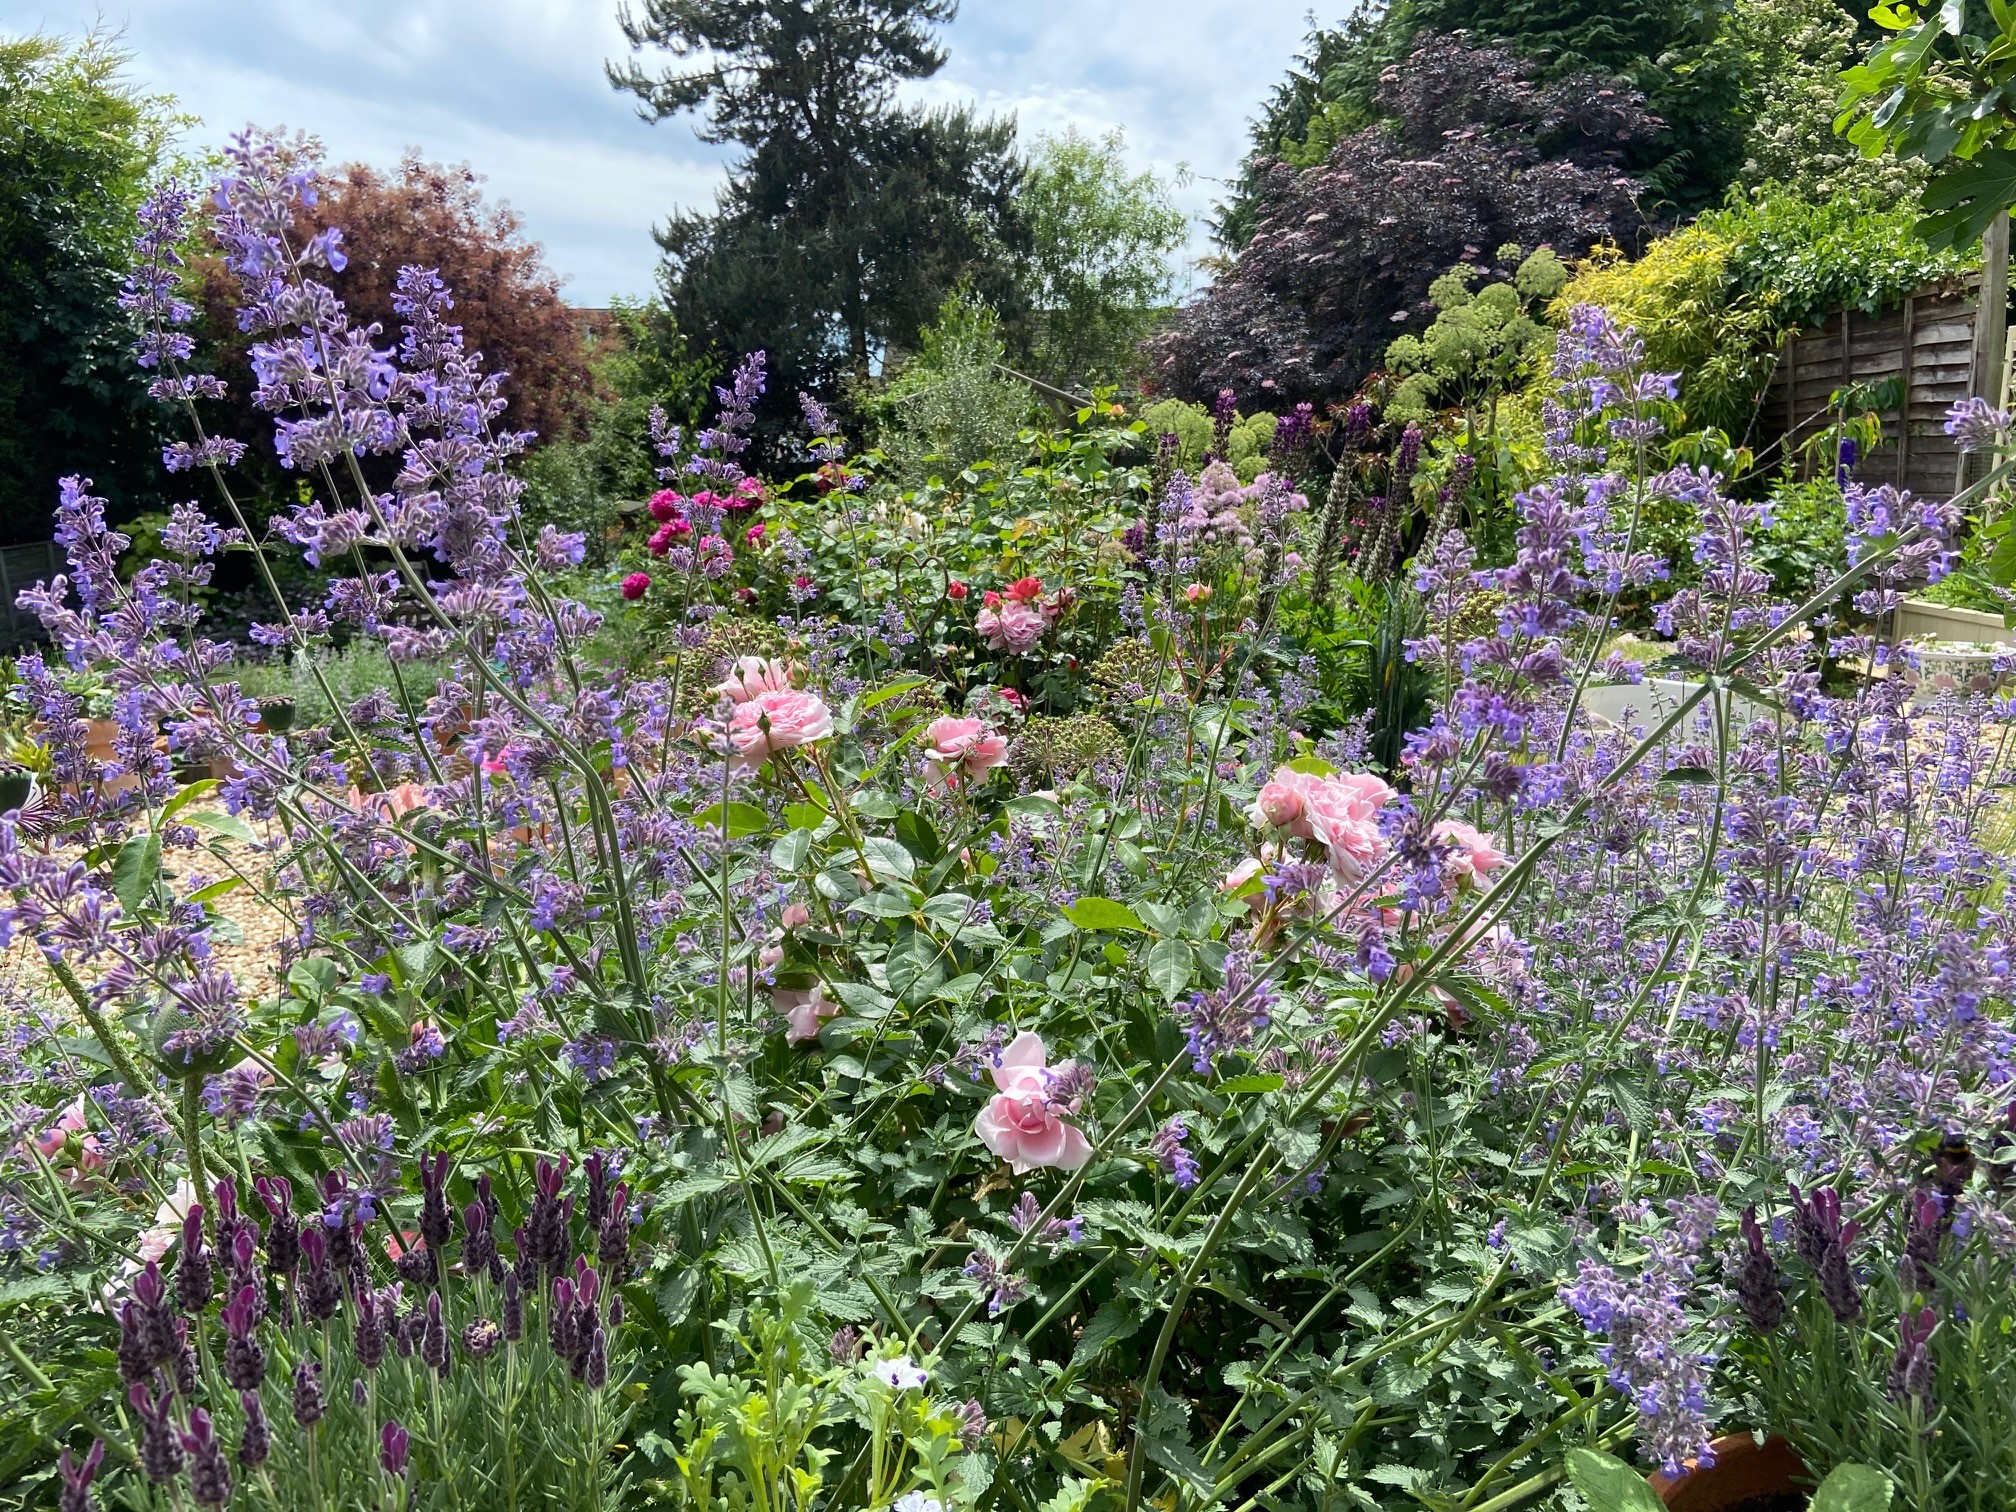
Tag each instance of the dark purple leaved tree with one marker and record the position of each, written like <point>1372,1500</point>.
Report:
<point>1474,152</point>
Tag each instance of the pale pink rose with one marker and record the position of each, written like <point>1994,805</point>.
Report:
<point>1241,874</point>
<point>751,676</point>
<point>774,721</point>
<point>1476,855</point>
<point>1365,793</point>
<point>961,746</point>
<point>1014,626</point>
<point>51,1141</point>
<point>803,1011</point>
<point>155,1242</point>
<point>1280,804</point>
<point>1355,845</point>
<point>796,916</point>
<point>1020,1123</point>
<point>393,803</point>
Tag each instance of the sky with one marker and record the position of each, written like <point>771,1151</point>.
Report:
<point>515,88</point>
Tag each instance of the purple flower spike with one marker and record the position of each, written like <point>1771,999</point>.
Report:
<point>1911,1370</point>
<point>1758,1289</point>
<point>160,1447</point>
<point>393,1444</point>
<point>76,1495</point>
<point>209,1475</point>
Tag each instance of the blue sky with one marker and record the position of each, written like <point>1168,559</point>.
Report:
<point>515,88</point>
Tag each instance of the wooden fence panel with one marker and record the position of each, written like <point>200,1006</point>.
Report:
<point>1936,329</point>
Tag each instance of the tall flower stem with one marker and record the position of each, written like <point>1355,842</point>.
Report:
<point>139,1086</point>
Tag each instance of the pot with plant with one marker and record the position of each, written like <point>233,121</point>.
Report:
<point>1744,1476</point>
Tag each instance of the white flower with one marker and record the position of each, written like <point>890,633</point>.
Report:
<point>902,1375</point>
<point>917,1501</point>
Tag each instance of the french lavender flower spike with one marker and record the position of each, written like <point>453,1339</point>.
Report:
<point>227,1202</point>
<point>77,1478</point>
<point>393,1445</point>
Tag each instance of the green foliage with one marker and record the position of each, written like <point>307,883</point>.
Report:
<point>1798,49</point>
<point>952,406</point>
<point>1098,266</point>
<point>1676,297</point>
<point>1938,91</point>
<point>848,218</point>
<point>1713,300</point>
<point>77,144</point>
<point>1804,544</point>
<point>322,684</point>
<point>1245,444</point>
<point>1804,260</point>
<point>643,362</point>
<point>1481,341</point>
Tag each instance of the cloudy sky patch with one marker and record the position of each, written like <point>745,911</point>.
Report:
<point>515,88</point>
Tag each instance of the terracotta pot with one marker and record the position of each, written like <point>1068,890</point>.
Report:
<point>1746,1477</point>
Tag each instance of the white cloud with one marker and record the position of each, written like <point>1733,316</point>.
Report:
<point>515,88</point>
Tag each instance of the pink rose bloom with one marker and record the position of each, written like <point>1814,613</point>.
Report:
<point>1340,813</point>
<point>51,1141</point>
<point>1020,1123</point>
<point>1356,848</point>
<point>1280,804</point>
<point>796,916</point>
<point>1014,626</point>
<point>1476,855</point>
<point>962,745</point>
<point>1240,875</point>
<point>395,803</point>
<point>803,1012</point>
<point>1365,793</point>
<point>636,586</point>
<point>772,722</point>
<point>752,675</point>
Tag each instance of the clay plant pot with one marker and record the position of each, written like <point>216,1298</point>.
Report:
<point>276,715</point>
<point>17,783</point>
<point>1746,1477</point>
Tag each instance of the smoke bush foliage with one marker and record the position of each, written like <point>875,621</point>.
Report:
<point>1476,152</point>
<point>975,1109</point>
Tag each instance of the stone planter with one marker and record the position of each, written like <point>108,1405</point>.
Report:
<point>1746,1477</point>
<point>1956,667</point>
<point>1918,620</point>
<point>1645,704</point>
